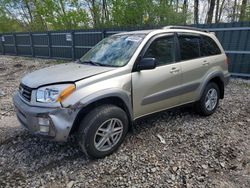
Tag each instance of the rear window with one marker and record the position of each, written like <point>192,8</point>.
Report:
<point>209,47</point>
<point>189,47</point>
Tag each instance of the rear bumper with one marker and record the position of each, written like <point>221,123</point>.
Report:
<point>60,119</point>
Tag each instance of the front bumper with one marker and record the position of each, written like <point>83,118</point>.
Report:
<point>60,119</point>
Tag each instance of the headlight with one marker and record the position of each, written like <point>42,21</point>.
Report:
<point>54,93</point>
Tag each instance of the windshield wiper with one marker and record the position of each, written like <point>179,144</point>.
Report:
<point>90,62</point>
<point>95,63</point>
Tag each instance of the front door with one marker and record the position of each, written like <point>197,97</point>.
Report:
<point>155,90</point>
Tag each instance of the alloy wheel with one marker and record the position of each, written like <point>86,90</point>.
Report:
<point>108,134</point>
<point>211,99</point>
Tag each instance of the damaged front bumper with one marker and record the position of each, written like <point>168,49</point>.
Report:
<point>52,123</point>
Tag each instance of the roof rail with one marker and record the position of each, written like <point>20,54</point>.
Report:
<point>185,27</point>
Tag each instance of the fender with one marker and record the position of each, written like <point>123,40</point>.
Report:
<point>207,79</point>
<point>114,92</point>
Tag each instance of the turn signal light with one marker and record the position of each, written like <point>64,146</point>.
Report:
<point>65,93</point>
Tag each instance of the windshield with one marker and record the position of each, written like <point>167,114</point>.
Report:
<point>113,51</point>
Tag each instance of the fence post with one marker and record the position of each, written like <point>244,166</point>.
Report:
<point>73,45</point>
<point>49,44</point>
<point>31,45</point>
<point>103,34</point>
<point>14,41</point>
<point>2,42</point>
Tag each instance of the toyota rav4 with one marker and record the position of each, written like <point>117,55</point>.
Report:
<point>124,77</point>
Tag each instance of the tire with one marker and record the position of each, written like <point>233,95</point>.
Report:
<point>204,107</point>
<point>96,136</point>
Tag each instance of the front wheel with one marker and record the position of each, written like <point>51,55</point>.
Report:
<point>209,100</point>
<point>103,130</point>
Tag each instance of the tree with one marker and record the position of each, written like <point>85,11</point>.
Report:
<point>185,9</point>
<point>196,11</point>
<point>210,12</point>
<point>217,11</point>
<point>234,11</point>
<point>243,10</point>
<point>8,24</point>
<point>221,10</point>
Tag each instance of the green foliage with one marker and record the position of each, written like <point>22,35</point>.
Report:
<point>62,14</point>
<point>8,24</point>
<point>145,12</point>
<point>37,15</point>
<point>247,16</point>
<point>44,15</point>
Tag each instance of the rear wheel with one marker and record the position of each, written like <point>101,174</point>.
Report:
<point>103,130</point>
<point>209,100</point>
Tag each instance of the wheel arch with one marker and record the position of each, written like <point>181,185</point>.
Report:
<point>217,78</point>
<point>120,99</point>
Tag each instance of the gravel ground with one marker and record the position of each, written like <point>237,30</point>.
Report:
<point>171,149</point>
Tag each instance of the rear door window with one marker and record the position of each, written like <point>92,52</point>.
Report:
<point>189,47</point>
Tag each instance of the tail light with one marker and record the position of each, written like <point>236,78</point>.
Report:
<point>226,61</point>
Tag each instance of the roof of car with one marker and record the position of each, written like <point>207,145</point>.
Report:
<point>135,32</point>
<point>167,29</point>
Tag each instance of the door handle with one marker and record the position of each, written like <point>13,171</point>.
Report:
<point>174,70</point>
<point>205,63</point>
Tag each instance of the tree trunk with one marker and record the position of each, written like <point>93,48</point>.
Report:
<point>243,10</point>
<point>106,12</point>
<point>177,5</point>
<point>210,12</point>
<point>221,10</point>
<point>234,11</point>
<point>217,11</point>
<point>184,10</point>
<point>196,11</point>
<point>94,11</point>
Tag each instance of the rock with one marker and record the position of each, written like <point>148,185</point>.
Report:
<point>124,157</point>
<point>173,177</point>
<point>162,140</point>
<point>2,93</point>
<point>175,168</point>
<point>153,170</point>
<point>240,123</point>
<point>222,164</point>
<point>70,184</point>
<point>204,166</point>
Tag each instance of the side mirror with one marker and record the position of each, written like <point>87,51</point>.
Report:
<point>146,64</point>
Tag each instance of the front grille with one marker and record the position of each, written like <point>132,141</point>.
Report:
<point>25,91</point>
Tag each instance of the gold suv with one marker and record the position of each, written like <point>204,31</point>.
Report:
<point>123,78</point>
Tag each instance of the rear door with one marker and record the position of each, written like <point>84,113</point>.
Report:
<point>154,90</point>
<point>192,65</point>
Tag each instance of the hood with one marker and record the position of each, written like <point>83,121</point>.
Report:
<point>68,72</point>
